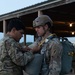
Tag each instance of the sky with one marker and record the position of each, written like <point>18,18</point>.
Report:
<point>11,5</point>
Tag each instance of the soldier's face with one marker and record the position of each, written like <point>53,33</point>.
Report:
<point>18,34</point>
<point>40,30</point>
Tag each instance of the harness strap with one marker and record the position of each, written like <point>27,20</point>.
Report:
<point>40,43</point>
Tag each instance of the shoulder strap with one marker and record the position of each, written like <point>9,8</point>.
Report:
<point>51,36</point>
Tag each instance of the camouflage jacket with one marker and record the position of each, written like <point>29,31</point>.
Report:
<point>52,49</point>
<point>12,59</point>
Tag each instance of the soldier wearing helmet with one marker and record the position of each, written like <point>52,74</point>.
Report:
<point>50,47</point>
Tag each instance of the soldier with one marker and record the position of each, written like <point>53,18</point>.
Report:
<point>12,56</point>
<point>51,49</point>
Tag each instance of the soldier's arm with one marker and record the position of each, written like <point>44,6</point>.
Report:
<point>16,55</point>
<point>55,61</point>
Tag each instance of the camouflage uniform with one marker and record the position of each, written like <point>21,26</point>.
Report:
<point>12,59</point>
<point>51,49</point>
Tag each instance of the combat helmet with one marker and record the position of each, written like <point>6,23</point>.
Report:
<point>42,20</point>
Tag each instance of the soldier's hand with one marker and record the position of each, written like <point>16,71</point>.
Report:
<point>26,48</point>
<point>35,49</point>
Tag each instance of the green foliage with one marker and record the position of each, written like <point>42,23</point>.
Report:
<point>28,43</point>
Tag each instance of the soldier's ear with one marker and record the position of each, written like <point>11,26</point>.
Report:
<point>13,29</point>
<point>46,26</point>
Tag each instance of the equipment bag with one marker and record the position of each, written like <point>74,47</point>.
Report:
<point>67,56</point>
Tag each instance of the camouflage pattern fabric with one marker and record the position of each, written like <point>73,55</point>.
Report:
<point>55,57</point>
<point>12,59</point>
<point>53,51</point>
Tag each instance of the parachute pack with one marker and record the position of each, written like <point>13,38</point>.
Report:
<point>67,56</point>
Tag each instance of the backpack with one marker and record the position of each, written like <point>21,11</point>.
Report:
<point>67,56</point>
